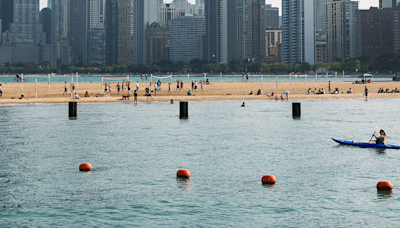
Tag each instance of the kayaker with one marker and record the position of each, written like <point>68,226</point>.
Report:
<point>381,138</point>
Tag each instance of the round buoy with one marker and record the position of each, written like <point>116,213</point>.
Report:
<point>268,179</point>
<point>85,167</point>
<point>183,173</point>
<point>384,186</point>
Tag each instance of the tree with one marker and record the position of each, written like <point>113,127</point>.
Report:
<point>303,67</point>
<point>336,66</point>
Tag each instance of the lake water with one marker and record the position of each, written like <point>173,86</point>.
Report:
<point>136,151</point>
<point>213,78</point>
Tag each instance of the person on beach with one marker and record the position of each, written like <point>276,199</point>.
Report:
<point>75,96</point>
<point>109,87</point>
<point>169,88</point>
<point>172,101</point>
<point>207,82</point>
<point>22,97</point>
<point>65,88</point>
<point>329,86</point>
<point>251,93</point>
<point>259,92</point>
<point>118,87</point>
<point>73,86</point>
<point>123,85</point>
<point>141,77</point>
<point>366,93</point>
<point>177,85</point>
<point>202,85</point>
<point>1,91</point>
<point>137,86</point>
<point>195,85</point>
<point>287,94</point>
<point>181,85</point>
<point>381,138</point>
<point>350,91</point>
<point>243,105</point>
<point>192,85</point>
<point>135,97</point>
<point>87,94</point>
<point>189,93</point>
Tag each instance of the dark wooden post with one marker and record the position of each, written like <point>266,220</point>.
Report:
<point>183,110</point>
<point>296,110</point>
<point>73,109</point>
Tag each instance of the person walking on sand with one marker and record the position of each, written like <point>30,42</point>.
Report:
<point>366,93</point>
<point>177,85</point>
<point>329,86</point>
<point>137,85</point>
<point>123,85</point>
<point>181,85</point>
<point>65,88</point>
<point>73,86</point>
<point>169,88</point>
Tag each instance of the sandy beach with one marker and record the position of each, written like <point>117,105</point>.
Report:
<point>213,92</point>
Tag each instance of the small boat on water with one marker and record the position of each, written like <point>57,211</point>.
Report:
<point>368,145</point>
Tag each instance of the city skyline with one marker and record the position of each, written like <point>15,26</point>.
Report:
<point>363,4</point>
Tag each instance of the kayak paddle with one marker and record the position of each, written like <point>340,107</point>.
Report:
<point>376,128</point>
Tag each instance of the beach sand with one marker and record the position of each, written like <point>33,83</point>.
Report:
<point>213,92</point>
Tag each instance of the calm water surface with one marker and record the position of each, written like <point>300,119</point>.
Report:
<point>136,151</point>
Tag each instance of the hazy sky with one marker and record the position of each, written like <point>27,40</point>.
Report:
<point>363,4</point>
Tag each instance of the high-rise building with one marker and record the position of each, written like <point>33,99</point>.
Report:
<point>341,30</point>
<point>250,29</point>
<point>45,19</point>
<point>60,26</point>
<point>86,15</point>
<point>298,41</point>
<point>388,3</point>
<point>6,14</point>
<point>25,37</point>
<point>320,16</point>
<point>167,12</point>
<point>157,42</point>
<point>97,46</point>
<point>396,28</point>
<point>25,26</point>
<point>271,17</point>
<point>183,4</point>
<point>374,32</point>
<point>216,31</point>
<point>273,38</point>
<point>126,22</point>
<point>186,38</point>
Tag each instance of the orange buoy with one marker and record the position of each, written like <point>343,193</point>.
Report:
<point>85,167</point>
<point>268,179</point>
<point>183,173</point>
<point>384,186</point>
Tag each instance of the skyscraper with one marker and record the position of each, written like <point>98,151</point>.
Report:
<point>167,12</point>
<point>297,32</point>
<point>250,29</point>
<point>87,15</point>
<point>374,39</point>
<point>320,16</point>
<point>186,38</point>
<point>125,30</point>
<point>25,37</point>
<point>341,29</point>
<point>25,26</point>
<point>182,4</point>
<point>6,14</point>
<point>271,17</point>
<point>387,3</point>
<point>45,19</point>
<point>216,31</point>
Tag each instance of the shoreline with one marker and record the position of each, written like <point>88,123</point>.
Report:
<point>176,99</point>
<point>231,91</point>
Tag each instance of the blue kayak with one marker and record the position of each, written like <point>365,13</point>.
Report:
<point>380,145</point>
